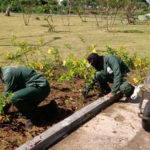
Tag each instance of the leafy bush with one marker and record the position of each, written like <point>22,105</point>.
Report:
<point>45,63</point>
<point>3,101</point>
<point>51,65</point>
<point>76,68</point>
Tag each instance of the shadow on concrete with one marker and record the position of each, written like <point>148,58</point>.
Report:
<point>129,100</point>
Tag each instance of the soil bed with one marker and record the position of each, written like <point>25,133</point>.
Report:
<point>68,98</point>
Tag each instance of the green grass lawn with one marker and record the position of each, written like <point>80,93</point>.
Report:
<point>135,38</point>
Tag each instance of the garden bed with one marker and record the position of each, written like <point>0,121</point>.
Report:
<point>68,99</point>
<point>67,95</point>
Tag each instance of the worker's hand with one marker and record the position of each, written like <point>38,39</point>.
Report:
<point>85,93</point>
<point>109,95</point>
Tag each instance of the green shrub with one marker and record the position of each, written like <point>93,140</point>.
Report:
<point>51,65</point>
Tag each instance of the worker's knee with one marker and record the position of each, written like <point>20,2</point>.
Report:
<point>126,87</point>
<point>100,75</point>
<point>15,99</point>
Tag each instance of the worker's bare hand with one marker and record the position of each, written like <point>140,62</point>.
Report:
<point>109,95</point>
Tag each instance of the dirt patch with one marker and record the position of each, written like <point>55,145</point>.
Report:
<point>68,98</point>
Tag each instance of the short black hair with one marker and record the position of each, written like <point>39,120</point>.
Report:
<point>93,57</point>
<point>96,61</point>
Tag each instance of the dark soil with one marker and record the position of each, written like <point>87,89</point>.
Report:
<point>68,98</point>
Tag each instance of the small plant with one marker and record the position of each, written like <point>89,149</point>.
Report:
<point>68,100</point>
<point>46,63</point>
<point>23,52</point>
<point>81,38</point>
<point>67,46</point>
<point>76,68</point>
<point>4,100</point>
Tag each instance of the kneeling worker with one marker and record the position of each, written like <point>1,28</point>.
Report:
<point>110,69</point>
<point>29,88</point>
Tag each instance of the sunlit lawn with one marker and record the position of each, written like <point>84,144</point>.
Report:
<point>136,38</point>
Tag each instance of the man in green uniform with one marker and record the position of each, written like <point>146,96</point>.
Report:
<point>110,69</point>
<point>29,88</point>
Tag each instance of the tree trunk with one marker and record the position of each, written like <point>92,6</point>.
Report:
<point>7,13</point>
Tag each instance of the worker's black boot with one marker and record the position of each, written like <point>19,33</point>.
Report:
<point>117,96</point>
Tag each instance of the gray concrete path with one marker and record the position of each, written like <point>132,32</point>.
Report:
<point>116,128</point>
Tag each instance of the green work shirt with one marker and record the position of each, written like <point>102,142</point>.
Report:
<point>114,65</point>
<point>18,77</point>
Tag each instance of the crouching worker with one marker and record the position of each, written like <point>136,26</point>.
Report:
<point>110,69</point>
<point>29,88</point>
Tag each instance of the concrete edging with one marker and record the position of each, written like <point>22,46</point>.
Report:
<point>49,137</point>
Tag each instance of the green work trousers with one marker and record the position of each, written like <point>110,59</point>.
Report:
<point>103,79</point>
<point>27,99</point>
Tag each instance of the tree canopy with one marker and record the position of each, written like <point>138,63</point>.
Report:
<point>43,6</point>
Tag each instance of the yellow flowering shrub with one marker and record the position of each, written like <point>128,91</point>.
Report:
<point>50,63</point>
<point>39,65</point>
<point>49,51</point>
<point>8,54</point>
<point>135,80</point>
<point>76,68</point>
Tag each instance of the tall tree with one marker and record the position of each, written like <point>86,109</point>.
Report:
<point>27,8</point>
<point>130,7</point>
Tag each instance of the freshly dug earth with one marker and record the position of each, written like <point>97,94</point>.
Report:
<point>68,98</point>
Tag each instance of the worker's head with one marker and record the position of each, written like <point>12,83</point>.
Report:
<point>96,61</point>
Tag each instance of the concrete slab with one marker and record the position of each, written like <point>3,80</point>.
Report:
<point>116,128</point>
